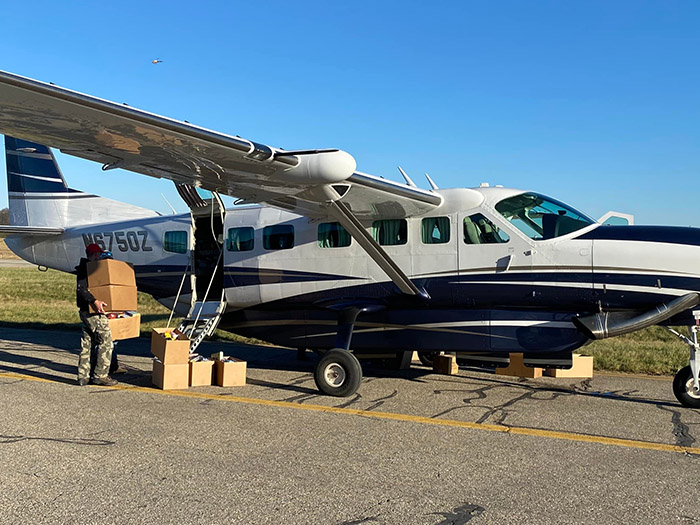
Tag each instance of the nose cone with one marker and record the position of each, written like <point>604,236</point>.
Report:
<point>637,267</point>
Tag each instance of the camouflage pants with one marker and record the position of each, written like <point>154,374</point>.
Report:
<point>96,332</point>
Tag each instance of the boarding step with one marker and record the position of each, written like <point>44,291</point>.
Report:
<point>201,321</point>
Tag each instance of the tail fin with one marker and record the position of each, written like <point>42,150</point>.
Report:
<point>39,196</point>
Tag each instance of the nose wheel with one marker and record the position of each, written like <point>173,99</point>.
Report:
<point>338,373</point>
<point>684,388</point>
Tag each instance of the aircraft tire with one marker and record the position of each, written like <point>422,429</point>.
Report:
<point>683,388</point>
<point>338,373</point>
<point>427,358</point>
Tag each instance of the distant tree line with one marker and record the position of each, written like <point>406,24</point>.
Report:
<point>5,216</point>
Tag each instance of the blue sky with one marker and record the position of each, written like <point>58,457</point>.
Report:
<point>596,103</point>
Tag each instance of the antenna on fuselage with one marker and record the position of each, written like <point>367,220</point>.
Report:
<point>433,186</point>
<point>168,203</point>
<point>408,179</point>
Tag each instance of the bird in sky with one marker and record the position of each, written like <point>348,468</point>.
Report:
<point>156,61</point>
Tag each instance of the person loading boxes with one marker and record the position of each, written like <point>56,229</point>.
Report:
<point>96,330</point>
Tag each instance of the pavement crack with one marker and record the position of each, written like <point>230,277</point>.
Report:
<point>77,441</point>
<point>352,401</point>
<point>680,430</point>
<point>380,401</point>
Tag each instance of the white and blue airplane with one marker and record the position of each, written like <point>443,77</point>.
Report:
<point>325,257</point>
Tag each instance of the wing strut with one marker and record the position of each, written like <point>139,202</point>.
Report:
<point>352,224</point>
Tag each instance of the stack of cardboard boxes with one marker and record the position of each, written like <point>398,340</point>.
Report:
<point>175,368</point>
<point>113,282</point>
<point>171,364</point>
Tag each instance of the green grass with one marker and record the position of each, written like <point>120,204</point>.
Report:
<point>33,299</point>
<point>651,351</point>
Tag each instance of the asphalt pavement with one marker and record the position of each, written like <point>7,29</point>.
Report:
<point>411,447</point>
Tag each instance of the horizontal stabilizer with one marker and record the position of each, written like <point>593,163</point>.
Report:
<point>30,230</point>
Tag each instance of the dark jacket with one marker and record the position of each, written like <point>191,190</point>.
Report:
<point>83,296</point>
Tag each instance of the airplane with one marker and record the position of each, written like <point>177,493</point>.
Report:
<point>318,255</point>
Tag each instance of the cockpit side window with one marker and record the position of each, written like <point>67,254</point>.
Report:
<point>480,230</point>
<point>541,217</point>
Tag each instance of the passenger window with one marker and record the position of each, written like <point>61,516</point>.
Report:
<point>435,230</point>
<point>480,230</point>
<point>175,242</point>
<point>333,235</point>
<point>278,237</point>
<point>240,239</point>
<point>390,232</point>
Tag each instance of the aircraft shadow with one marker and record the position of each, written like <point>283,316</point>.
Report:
<point>258,357</point>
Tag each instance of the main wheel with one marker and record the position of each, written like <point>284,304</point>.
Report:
<point>684,389</point>
<point>338,373</point>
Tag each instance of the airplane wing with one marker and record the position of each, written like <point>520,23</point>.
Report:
<point>320,184</point>
<point>118,136</point>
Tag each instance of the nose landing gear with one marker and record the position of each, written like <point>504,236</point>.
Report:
<point>686,383</point>
<point>684,388</point>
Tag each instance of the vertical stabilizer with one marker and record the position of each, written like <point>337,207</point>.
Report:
<point>39,196</point>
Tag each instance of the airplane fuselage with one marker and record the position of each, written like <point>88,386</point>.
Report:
<point>492,287</point>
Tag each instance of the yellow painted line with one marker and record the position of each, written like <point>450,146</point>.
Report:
<point>523,431</point>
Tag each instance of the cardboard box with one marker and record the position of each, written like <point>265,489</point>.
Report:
<point>581,369</point>
<point>445,364</point>
<point>518,369</point>
<point>108,271</point>
<point>125,327</point>
<point>201,373</point>
<point>230,373</point>
<point>170,377</point>
<point>118,298</point>
<point>170,351</point>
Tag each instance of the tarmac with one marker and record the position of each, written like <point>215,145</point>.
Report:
<point>411,447</point>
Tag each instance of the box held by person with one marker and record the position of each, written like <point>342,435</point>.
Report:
<point>170,377</point>
<point>107,272</point>
<point>118,298</point>
<point>170,346</point>
<point>230,372</point>
<point>201,371</point>
<point>124,325</point>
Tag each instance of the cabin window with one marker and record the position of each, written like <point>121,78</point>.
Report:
<point>541,217</point>
<point>333,235</point>
<point>390,232</point>
<point>435,230</point>
<point>175,242</point>
<point>240,239</point>
<point>480,230</point>
<point>278,237</point>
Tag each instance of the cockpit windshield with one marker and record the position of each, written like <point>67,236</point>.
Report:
<point>541,217</point>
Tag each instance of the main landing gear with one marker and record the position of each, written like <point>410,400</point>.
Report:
<point>686,383</point>
<point>338,373</point>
